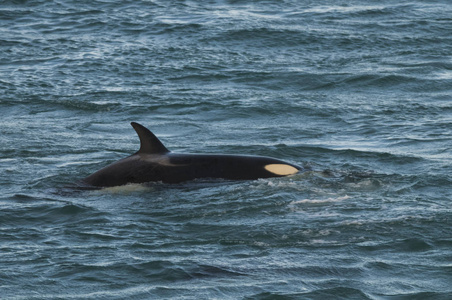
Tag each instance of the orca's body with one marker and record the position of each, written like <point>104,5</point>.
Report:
<point>153,162</point>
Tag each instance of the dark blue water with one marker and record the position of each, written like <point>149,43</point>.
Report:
<point>359,92</point>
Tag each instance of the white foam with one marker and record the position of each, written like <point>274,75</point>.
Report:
<point>316,201</point>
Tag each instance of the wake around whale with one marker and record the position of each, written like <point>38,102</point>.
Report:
<point>154,162</point>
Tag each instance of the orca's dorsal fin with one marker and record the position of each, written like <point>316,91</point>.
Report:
<point>150,144</point>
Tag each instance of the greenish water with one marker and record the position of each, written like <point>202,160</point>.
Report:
<point>357,92</point>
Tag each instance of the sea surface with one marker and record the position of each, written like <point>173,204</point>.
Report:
<point>359,93</point>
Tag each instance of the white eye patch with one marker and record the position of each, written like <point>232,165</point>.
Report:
<point>281,169</point>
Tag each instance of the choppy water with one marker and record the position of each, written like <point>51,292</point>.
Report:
<point>358,91</point>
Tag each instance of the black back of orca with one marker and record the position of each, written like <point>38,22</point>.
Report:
<point>154,162</point>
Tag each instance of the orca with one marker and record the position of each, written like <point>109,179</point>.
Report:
<point>155,163</point>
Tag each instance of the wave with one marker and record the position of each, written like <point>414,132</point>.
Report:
<point>341,292</point>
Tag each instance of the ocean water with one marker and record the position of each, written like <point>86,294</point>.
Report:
<point>357,92</point>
